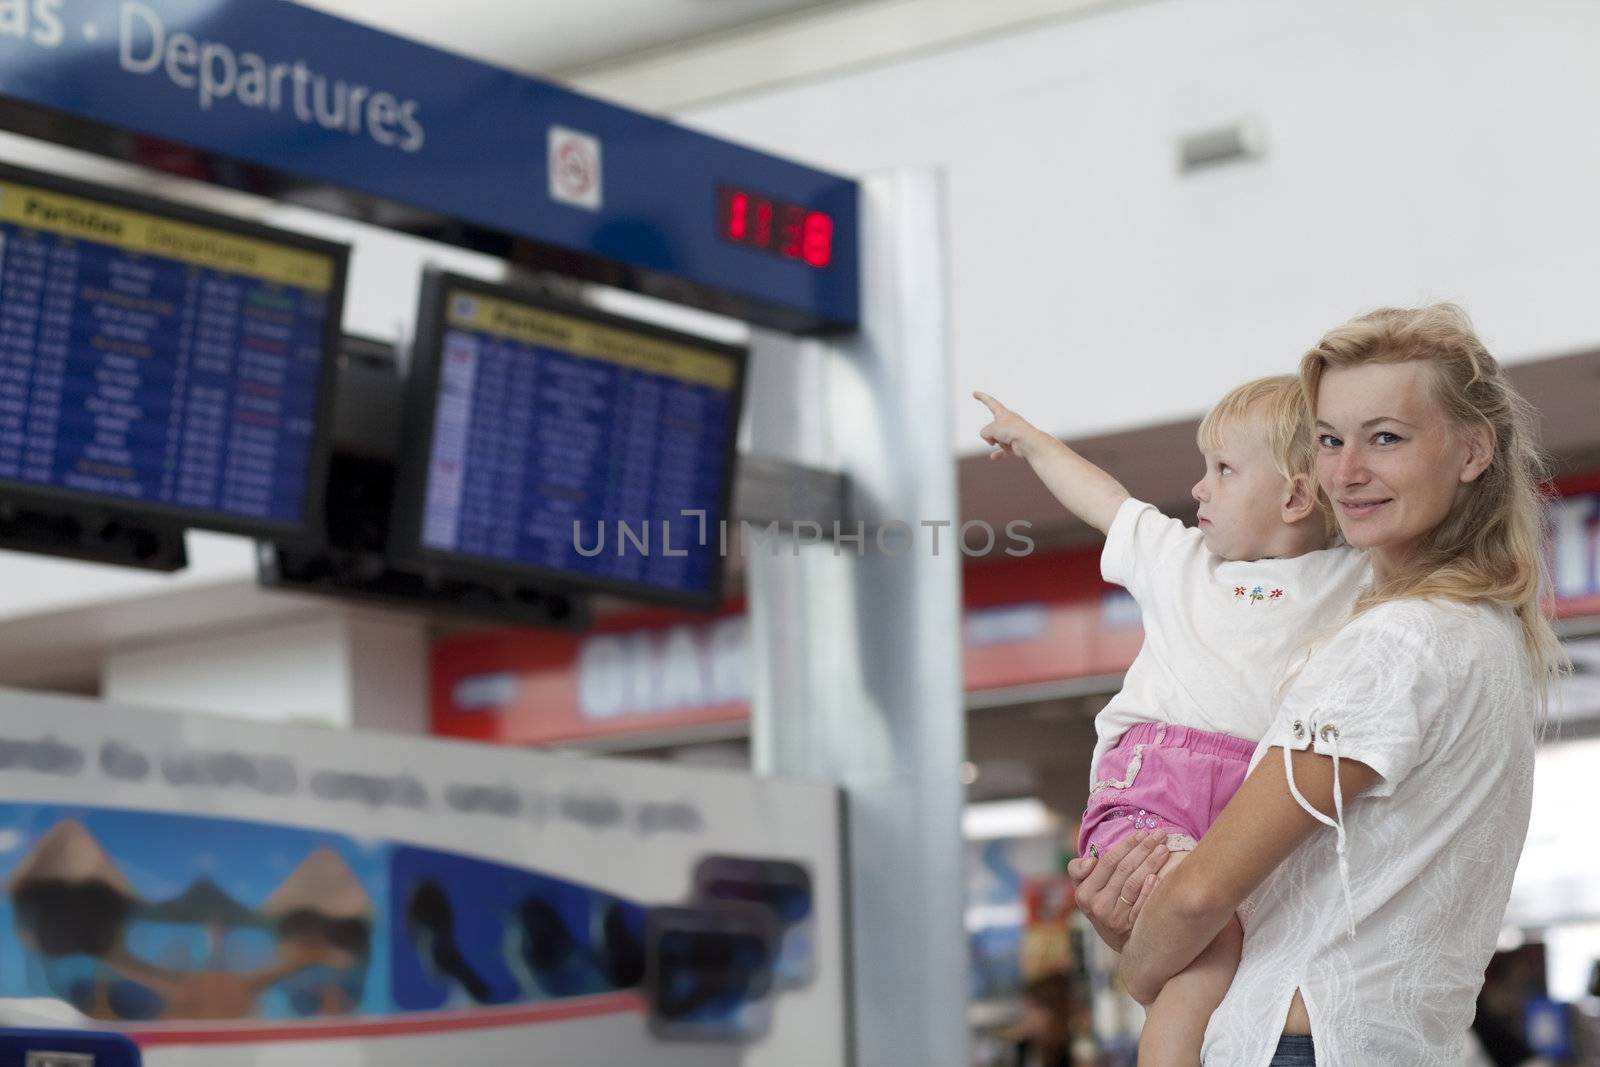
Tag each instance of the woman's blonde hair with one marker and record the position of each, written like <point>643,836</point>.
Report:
<point>1279,403</point>
<point>1491,546</point>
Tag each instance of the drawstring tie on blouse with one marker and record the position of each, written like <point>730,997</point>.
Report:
<point>1330,735</point>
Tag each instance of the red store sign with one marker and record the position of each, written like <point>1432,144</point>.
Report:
<point>1029,620</point>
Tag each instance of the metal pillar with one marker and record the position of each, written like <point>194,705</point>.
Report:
<point>857,650</point>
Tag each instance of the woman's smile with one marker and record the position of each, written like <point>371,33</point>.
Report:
<point>1357,510</point>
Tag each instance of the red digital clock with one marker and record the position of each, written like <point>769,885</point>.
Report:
<point>769,225</point>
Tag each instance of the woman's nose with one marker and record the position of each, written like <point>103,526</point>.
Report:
<point>1350,468</point>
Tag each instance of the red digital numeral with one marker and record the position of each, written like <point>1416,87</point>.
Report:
<point>763,224</point>
<point>817,249</point>
<point>789,230</point>
<point>794,220</point>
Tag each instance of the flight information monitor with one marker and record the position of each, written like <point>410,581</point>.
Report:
<point>161,361</point>
<point>551,441</point>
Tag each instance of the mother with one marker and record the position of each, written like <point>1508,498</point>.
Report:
<point>1371,849</point>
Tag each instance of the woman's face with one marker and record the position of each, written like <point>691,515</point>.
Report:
<point>1388,457</point>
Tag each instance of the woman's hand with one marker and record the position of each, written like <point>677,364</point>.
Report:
<point>1008,433</point>
<point>1113,888</point>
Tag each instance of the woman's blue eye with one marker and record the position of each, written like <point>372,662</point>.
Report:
<point>1327,440</point>
<point>1384,437</point>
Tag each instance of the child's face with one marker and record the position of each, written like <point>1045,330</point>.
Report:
<point>1242,494</point>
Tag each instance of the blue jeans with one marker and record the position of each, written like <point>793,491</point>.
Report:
<point>1294,1051</point>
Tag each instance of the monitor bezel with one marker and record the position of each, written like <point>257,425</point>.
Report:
<point>411,475</point>
<point>309,530</point>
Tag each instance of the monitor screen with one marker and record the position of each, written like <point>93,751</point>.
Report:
<point>163,361</point>
<point>548,439</point>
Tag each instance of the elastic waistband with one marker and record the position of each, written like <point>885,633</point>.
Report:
<point>1224,745</point>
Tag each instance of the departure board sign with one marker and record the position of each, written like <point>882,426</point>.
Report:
<point>289,101</point>
<point>163,361</point>
<point>549,440</point>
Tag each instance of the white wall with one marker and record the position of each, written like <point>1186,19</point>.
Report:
<point>36,585</point>
<point>1416,150</point>
<point>295,672</point>
<point>1556,882</point>
<point>356,669</point>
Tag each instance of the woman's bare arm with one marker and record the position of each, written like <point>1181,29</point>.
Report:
<point>1257,830</point>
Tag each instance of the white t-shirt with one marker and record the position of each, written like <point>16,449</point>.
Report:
<point>1439,699</point>
<point>1218,634</point>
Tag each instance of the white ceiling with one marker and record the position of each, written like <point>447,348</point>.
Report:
<point>549,37</point>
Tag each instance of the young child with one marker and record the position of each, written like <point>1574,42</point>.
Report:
<point>1226,606</point>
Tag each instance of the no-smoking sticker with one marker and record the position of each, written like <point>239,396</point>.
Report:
<point>574,168</point>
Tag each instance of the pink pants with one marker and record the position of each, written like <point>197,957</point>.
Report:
<point>1161,777</point>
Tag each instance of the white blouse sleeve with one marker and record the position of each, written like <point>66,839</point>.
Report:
<point>1370,693</point>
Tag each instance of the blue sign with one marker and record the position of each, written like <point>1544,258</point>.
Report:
<point>548,438</point>
<point>312,96</point>
<point>153,360</point>
<point>66,1048</point>
<point>1547,1025</point>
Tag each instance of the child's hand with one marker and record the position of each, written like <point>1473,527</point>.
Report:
<point>1007,431</point>
<point>1083,488</point>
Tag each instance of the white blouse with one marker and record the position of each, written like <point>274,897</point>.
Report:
<point>1439,699</point>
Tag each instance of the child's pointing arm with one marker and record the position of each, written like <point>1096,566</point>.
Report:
<point>1083,488</point>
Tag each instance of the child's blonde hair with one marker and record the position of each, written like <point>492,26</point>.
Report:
<point>1279,405</point>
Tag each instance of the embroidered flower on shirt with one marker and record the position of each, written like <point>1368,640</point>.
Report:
<point>1238,590</point>
<point>1275,594</point>
<point>1256,594</point>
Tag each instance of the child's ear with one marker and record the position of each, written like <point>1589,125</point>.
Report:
<point>1299,500</point>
